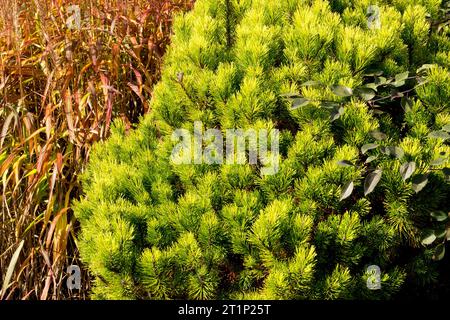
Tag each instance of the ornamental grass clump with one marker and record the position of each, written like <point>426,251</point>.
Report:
<point>363,118</point>
<point>67,69</point>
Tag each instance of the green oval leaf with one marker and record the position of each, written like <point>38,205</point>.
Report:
<point>342,91</point>
<point>366,93</point>
<point>394,151</point>
<point>347,190</point>
<point>438,162</point>
<point>337,113</point>
<point>369,146</point>
<point>371,158</point>
<point>407,169</point>
<point>378,135</point>
<point>419,182</point>
<point>439,216</point>
<point>371,181</point>
<point>424,68</point>
<point>402,76</point>
<point>372,86</point>
<point>397,84</point>
<point>429,237</point>
<point>440,233</point>
<point>380,80</point>
<point>397,152</point>
<point>299,102</point>
<point>439,252</point>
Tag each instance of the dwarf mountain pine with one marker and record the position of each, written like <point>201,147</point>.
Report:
<point>152,229</point>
